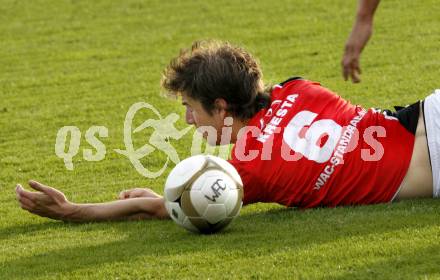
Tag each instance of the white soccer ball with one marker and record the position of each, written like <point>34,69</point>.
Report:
<point>203,193</point>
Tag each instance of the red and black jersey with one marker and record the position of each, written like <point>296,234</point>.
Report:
<point>312,148</point>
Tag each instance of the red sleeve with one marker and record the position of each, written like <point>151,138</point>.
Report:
<point>249,186</point>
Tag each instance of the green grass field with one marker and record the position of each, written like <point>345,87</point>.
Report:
<point>84,63</point>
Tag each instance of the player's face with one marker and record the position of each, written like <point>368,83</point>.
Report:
<point>204,122</point>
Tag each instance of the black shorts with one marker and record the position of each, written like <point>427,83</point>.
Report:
<point>408,116</point>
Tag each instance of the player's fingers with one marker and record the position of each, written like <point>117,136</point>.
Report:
<point>352,70</point>
<point>29,209</point>
<point>21,192</point>
<point>135,193</point>
<point>25,207</point>
<point>355,74</point>
<point>38,186</point>
<point>127,194</point>
<point>26,203</point>
<point>123,195</point>
<point>355,77</point>
<point>44,189</point>
<point>345,73</point>
<point>18,189</point>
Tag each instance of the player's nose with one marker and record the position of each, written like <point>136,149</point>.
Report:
<point>189,118</point>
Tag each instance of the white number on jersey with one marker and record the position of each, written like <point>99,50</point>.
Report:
<point>308,144</point>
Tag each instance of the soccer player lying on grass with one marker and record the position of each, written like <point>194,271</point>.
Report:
<point>302,146</point>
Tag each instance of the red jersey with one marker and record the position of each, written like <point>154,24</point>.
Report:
<point>312,148</point>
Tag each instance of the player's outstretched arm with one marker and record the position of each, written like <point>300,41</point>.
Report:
<point>359,36</point>
<point>50,202</point>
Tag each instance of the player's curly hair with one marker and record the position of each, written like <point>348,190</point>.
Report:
<point>213,69</point>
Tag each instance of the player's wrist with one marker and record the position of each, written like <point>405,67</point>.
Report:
<point>72,212</point>
<point>161,211</point>
<point>154,207</point>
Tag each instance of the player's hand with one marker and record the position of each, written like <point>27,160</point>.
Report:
<point>45,202</point>
<point>350,64</point>
<point>359,37</point>
<point>138,192</point>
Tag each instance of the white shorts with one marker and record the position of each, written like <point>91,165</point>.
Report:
<point>432,122</point>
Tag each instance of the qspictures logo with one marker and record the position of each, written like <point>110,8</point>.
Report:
<point>322,141</point>
<point>163,130</point>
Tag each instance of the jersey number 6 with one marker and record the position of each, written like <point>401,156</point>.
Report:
<point>315,140</point>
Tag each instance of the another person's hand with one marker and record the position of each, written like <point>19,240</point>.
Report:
<point>353,48</point>
<point>45,202</point>
<point>359,36</point>
<point>138,192</point>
